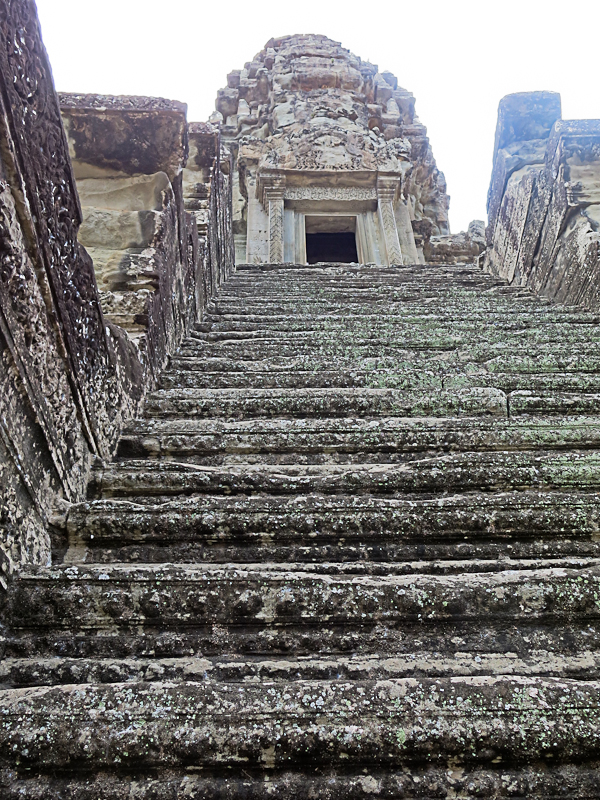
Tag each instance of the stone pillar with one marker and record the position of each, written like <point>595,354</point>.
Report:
<point>274,201</point>
<point>406,234</point>
<point>386,191</point>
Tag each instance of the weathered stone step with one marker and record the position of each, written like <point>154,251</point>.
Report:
<point>307,639</point>
<point>433,377</point>
<point>314,528</point>
<point>311,307</point>
<point>396,332</point>
<point>512,355</point>
<point>229,439</point>
<point>542,781</point>
<point>114,597</point>
<point>398,721</point>
<point>384,294</point>
<point>468,313</point>
<point>53,671</point>
<point>339,402</point>
<point>411,382</point>
<point>471,471</point>
<point>506,355</point>
<point>364,276</point>
<point>385,299</point>
<point>564,403</point>
<point>565,322</point>
<point>336,285</point>
<point>250,375</point>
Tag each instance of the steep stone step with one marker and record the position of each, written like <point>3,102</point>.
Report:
<point>433,377</point>
<point>504,356</point>
<point>337,402</point>
<point>397,333</point>
<point>394,305</point>
<point>496,471</point>
<point>422,663</point>
<point>557,402</point>
<point>321,528</point>
<point>219,374</point>
<point>150,726</point>
<point>450,314</point>
<point>538,782</point>
<point>113,597</point>
<point>229,441</point>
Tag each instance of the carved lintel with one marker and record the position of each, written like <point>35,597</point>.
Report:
<point>346,193</point>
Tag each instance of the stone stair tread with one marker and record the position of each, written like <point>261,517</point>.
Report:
<point>545,319</point>
<point>406,380</point>
<point>509,359</point>
<point>348,437</point>
<point>331,402</point>
<point>397,720</point>
<point>438,473</point>
<point>422,663</point>
<point>177,596</point>
<point>527,513</point>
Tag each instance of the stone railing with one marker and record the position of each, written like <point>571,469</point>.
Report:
<point>84,334</point>
<point>544,201</point>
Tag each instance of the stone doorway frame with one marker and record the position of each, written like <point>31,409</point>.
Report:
<point>374,202</point>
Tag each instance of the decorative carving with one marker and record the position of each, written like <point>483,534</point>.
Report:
<point>274,199</point>
<point>319,110</point>
<point>348,193</point>
<point>26,328</point>
<point>42,160</point>
<point>390,231</point>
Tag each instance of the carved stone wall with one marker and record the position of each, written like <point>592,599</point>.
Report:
<point>207,192</point>
<point>544,200</point>
<point>69,374</point>
<point>63,398</point>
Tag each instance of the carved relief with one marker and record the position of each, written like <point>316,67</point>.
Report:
<point>275,202</point>
<point>312,118</point>
<point>348,193</point>
<point>33,346</point>
<point>390,231</point>
<point>42,161</point>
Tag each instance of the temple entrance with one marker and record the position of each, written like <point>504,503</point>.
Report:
<point>331,238</point>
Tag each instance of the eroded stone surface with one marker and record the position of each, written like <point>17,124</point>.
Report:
<point>351,547</point>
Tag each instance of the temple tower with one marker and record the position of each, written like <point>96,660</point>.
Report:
<point>330,161</point>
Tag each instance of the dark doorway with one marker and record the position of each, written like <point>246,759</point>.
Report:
<point>331,247</point>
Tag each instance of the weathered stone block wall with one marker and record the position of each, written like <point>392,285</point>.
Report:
<point>75,361</point>
<point>207,192</point>
<point>128,154</point>
<point>544,200</point>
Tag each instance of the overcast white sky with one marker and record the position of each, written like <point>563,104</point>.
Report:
<point>457,57</point>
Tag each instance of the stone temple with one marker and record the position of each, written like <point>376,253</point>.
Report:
<point>299,491</point>
<point>329,158</point>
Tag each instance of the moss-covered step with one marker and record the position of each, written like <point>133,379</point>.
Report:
<point>392,723</point>
<point>326,402</point>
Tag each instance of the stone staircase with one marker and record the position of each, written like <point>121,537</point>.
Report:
<point>351,550</point>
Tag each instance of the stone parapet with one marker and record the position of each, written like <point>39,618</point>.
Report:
<point>544,201</point>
